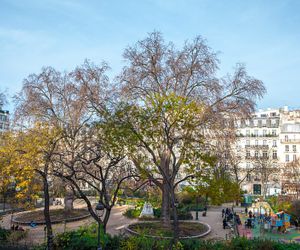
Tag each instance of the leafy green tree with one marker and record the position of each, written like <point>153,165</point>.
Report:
<point>176,107</point>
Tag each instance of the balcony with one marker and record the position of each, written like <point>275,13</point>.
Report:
<point>258,158</point>
<point>287,141</point>
<point>257,146</point>
<point>258,136</point>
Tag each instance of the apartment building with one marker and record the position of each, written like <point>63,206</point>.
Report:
<point>4,120</point>
<point>268,142</point>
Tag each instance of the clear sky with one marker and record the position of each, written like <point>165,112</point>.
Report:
<point>263,34</point>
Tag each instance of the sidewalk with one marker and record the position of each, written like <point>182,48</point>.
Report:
<point>214,219</point>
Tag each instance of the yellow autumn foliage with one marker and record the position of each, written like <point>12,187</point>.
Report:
<point>22,154</point>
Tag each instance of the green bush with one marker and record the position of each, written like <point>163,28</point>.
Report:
<point>85,238</point>
<point>194,207</point>
<point>132,213</point>
<point>183,215</point>
<point>157,212</point>
<point>141,242</point>
<point>4,234</point>
<point>15,236</point>
<point>294,210</point>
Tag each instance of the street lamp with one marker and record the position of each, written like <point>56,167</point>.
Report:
<point>99,211</point>
<point>197,207</point>
<point>176,203</point>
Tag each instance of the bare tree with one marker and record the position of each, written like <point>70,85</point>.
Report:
<point>291,178</point>
<point>93,163</point>
<point>59,101</point>
<point>265,167</point>
<point>176,101</point>
<point>232,157</point>
<point>77,104</point>
<point>3,99</point>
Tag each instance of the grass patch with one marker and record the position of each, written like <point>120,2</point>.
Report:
<point>55,215</point>
<point>158,229</point>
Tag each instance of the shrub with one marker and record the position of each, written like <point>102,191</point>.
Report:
<point>85,238</point>
<point>183,215</point>
<point>187,196</point>
<point>294,210</point>
<point>157,212</point>
<point>15,236</point>
<point>132,213</point>
<point>145,243</point>
<point>4,233</point>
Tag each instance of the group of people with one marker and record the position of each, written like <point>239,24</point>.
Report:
<point>16,228</point>
<point>251,219</point>
<point>228,216</point>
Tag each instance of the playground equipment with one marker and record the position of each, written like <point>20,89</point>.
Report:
<point>259,208</point>
<point>281,219</point>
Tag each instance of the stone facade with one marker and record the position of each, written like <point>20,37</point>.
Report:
<point>273,135</point>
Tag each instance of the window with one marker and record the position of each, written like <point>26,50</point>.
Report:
<point>265,142</point>
<point>247,132</point>
<point>255,132</point>
<point>248,165</point>
<point>248,154</point>
<point>257,189</point>
<point>248,177</point>
<point>274,143</point>
<point>274,132</point>
<point>287,148</point>
<point>259,123</point>
<point>256,142</point>
<point>248,143</point>
<point>274,154</point>
<point>294,157</point>
<point>286,138</point>
<point>265,154</point>
<point>264,132</point>
<point>287,158</point>
<point>294,148</point>
<point>256,154</point>
<point>264,122</point>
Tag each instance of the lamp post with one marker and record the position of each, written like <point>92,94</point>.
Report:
<point>197,207</point>
<point>176,203</point>
<point>99,211</point>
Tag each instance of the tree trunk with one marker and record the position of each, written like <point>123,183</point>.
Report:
<point>68,200</point>
<point>106,218</point>
<point>165,207</point>
<point>4,201</point>
<point>166,190</point>
<point>175,221</point>
<point>47,214</point>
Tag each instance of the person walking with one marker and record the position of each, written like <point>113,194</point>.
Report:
<point>224,223</point>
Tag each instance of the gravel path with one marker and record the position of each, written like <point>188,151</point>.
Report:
<point>117,223</point>
<point>214,219</point>
<point>37,235</point>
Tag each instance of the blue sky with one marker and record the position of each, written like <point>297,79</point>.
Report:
<point>263,34</point>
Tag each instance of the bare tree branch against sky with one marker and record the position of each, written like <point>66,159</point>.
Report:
<point>265,35</point>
